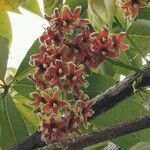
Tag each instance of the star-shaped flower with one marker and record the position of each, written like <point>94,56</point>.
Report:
<point>72,20</point>
<point>74,78</point>
<point>131,7</point>
<point>38,99</point>
<point>54,103</point>
<point>73,123</point>
<point>51,131</point>
<point>117,44</point>
<point>40,55</point>
<point>85,109</point>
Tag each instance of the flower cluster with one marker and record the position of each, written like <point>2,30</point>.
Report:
<point>68,51</point>
<point>131,7</point>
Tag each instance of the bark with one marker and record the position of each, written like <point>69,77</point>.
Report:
<point>111,132</point>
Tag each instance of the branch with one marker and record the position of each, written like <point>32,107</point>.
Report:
<point>119,92</point>
<point>110,133</point>
<point>33,142</point>
<point>106,101</point>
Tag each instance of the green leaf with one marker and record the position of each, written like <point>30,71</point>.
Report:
<point>99,146</point>
<point>129,109</point>
<point>50,5</point>
<point>73,4</point>
<point>3,56</point>
<point>98,83</point>
<point>9,76</point>
<point>9,5</point>
<point>144,13</point>
<point>120,18</point>
<point>25,109</point>
<point>24,68</point>
<point>21,84</point>
<point>121,70</point>
<point>143,42</point>
<point>141,146</point>
<point>101,12</point>
<point>140,27</point>
<point>24,87</point>
<point>123,65</point>
<point>5,26</point>
<point>107,68</point>
<point>33,6</point>
<point>13,129</point>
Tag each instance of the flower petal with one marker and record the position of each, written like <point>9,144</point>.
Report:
<point>77,12</point>
<point>127,4</point>
<point>46,108</point>
<point>121,37</point>
<point>142,4</point>
<point>66,14</point>
<point>55,96</point>
<point>84,22</point>
<point>105,32</point>
<point>46,97</point>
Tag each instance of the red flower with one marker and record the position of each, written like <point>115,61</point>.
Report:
<point>74,78</point>
<point>51,131</point>
<point>54,104</point>
<point>73,123</point>
<point>83,40</point>
<point>85,109</point>
<point>38,99</point>
<point>117,45</point>
<point>131,7</point>
<point>40,84</point>
<point>72,20</point>
<point>108,45</point>
<point>101,44</point>
<point>55,72</point>
<point>40,55</point>
<point>82,49</point>
<point>59,53</point>
<point>103,36</point>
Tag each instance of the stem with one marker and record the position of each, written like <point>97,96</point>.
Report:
<point>110,133</point>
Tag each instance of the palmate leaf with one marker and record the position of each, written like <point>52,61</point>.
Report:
<point>101,12</point>
<point>13,129</point>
